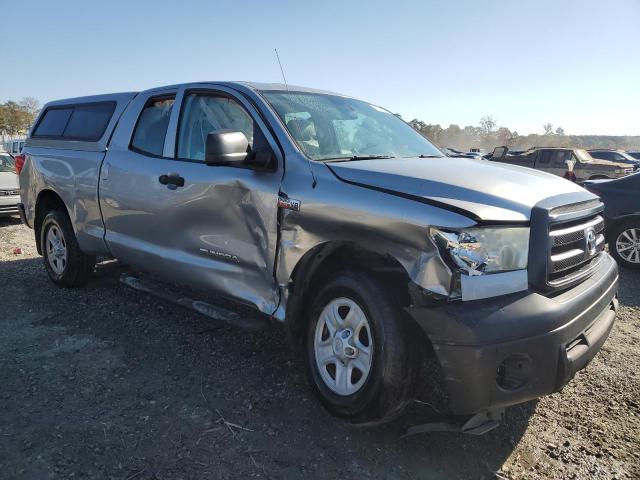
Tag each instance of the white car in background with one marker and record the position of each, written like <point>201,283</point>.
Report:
<point>9,186</point>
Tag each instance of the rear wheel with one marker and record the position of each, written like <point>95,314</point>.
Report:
<point>359,355</point>
<point>65,263</point>
<point>624,243</point>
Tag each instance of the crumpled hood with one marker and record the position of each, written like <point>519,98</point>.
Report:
<point>489,191</point>
<point>9,181</point>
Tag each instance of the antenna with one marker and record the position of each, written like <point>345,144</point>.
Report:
<point>313,177</point>
<point>281,69</point>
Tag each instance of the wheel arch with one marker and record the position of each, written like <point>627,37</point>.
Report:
<point>331,257</point>
<point>613,223</point>
<point>46,201</point>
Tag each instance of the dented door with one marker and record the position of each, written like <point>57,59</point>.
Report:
<point>213,227</point>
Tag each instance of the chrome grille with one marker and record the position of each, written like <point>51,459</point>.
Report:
<point>574,245</point>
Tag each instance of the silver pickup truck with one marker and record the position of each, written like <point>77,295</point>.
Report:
<point>388,264</point>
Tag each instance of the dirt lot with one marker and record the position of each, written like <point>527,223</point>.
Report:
<point>106,382</point>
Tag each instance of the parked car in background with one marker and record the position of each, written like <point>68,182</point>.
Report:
<point>452,152</point>
<point>372,250</point>
<point>619,156</point>
<point>9,187</point>
<point>635,154</point>
<point>622,217</point>
<point>555,161</point>
<point>515,152</point>
<point>14,147</point>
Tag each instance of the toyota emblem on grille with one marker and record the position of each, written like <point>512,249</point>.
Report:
<point>591,240</point>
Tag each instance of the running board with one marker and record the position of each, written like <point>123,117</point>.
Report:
<point>478,424</point>
<point>246,321</point>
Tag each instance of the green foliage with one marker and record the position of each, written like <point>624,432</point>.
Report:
<point>17,117</point>
<point>486,136</point>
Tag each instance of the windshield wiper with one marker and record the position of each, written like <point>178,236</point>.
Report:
<point>358,157</point>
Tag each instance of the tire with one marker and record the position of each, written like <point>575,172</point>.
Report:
<point>382,392</point>
<point>65,263</point>
<point>624,243</point>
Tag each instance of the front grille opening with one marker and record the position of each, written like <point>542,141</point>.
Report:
<point>572,273</point>
<point>574,249</point>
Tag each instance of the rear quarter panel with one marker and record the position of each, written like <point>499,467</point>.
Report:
<point>73,176</point>
<point>71,169</point>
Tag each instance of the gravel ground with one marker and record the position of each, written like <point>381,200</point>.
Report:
<point>106,382</point>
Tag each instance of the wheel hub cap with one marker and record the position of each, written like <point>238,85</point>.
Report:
<point>343,346</point>
<point>56,250</point>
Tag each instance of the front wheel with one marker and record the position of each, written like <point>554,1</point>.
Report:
<point>65,263</point>
<point>359,355</point>
<point>624,243</point>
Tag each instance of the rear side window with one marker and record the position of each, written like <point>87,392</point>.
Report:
<point>559,158</point>
<point>86,122</point>
<point>53,122</point>
<point>152,125</point>
<point>545,157</point>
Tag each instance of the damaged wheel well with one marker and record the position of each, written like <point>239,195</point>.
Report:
<point>320,263</point>
<point>47,200</point>
<point>326,260</point>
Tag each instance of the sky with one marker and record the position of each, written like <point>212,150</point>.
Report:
<point>572,63</point>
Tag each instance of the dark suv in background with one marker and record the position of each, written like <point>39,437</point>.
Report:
<point>622,217</point>
<point>618,156</point>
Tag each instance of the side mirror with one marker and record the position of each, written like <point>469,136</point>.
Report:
<point>226,148</point>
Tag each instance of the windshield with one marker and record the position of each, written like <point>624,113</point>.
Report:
<point>332,127</point>
<point>626,156</point>
<point>6,164</point>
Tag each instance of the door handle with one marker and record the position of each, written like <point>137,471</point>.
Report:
<point>171,180</point>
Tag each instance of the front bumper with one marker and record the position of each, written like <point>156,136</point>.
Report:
<point>511,349</point>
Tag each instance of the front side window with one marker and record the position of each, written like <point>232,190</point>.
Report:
<point>207,113</point>
<point>332,127</point>
<point>152,125</point>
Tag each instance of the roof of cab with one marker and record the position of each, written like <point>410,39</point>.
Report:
<point>121,96</point>
<point>256,86</point>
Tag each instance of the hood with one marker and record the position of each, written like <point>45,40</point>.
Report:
<point>9,181</point>
<point>486,190</point>
<point>596,162</point>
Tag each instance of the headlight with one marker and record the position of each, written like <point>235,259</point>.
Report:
<point>480,250</point>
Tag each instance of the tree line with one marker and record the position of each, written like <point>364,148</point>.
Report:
<point>17,117</point>
<point>487,135</point>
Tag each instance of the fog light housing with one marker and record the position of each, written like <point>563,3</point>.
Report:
<point>514,372</point>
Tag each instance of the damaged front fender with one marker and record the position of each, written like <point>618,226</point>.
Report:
<point>336,213</point>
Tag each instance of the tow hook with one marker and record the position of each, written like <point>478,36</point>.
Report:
<point>478,424</point>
